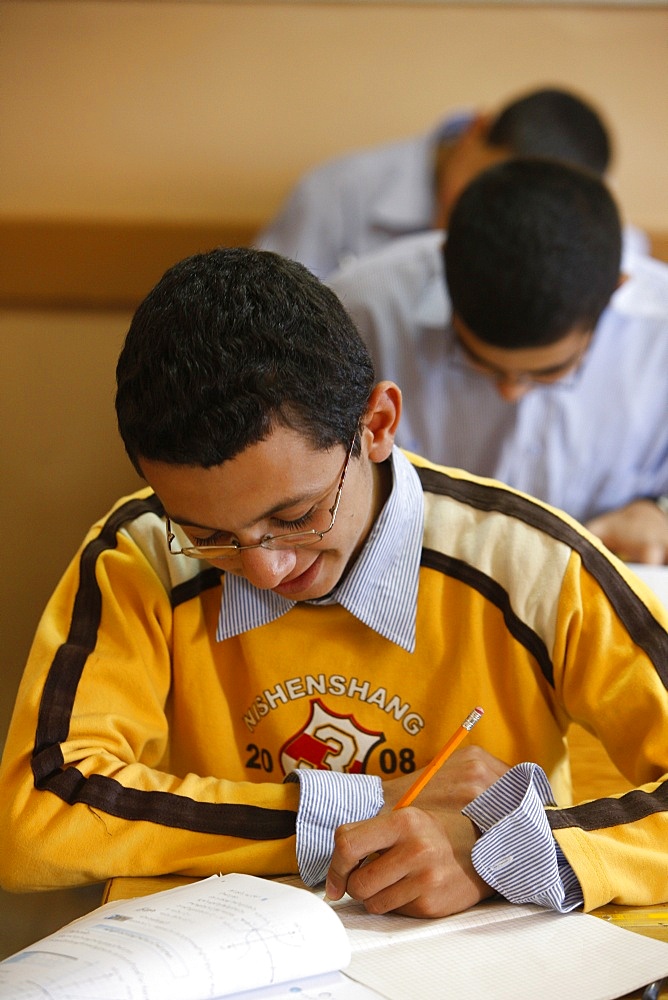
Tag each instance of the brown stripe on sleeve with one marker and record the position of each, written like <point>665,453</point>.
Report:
<point>497,595</point>
<point>608,812</point>
<point>633,613</point>
<point>65,671</point>
<point>176,811</point>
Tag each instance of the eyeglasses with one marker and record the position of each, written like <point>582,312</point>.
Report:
<point>286,540</point>
<point>545,376</point>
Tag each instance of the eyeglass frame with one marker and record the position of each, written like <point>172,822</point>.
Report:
<point>313,535</point>
<point>473,362</point>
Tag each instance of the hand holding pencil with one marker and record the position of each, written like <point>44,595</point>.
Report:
<point>418,861</point>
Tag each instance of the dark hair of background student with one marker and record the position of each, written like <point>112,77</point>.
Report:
<point>532,253</point>
<point>553,124</point>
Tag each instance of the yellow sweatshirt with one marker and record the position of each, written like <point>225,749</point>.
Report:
<point>140,745</point>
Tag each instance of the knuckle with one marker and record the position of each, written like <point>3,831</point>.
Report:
<point>343,843</point>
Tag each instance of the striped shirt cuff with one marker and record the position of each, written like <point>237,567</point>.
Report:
<point>517,854</point>
<point>326,800</point>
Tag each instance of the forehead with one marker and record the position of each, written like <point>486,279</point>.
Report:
<point>284,468</point>
<point>522,358</point>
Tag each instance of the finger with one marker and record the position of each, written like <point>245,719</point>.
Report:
<point>654,554</point>
<point>387,879</point>
<point>335,880</point>
<point>355,843</point>
<point>397,895</point>
<point>347,857</point>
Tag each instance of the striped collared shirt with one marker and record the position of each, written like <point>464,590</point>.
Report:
<point>380,589</point>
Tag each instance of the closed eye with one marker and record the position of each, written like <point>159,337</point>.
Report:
<point>223,538</point>
<point>217,538</point>
<point>298,523</point>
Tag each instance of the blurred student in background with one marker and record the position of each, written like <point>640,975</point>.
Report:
<point>358,203</point>
<point>524,354</point>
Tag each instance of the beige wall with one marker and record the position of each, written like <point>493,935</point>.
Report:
<point>164,112</point>
<point>210,110</point>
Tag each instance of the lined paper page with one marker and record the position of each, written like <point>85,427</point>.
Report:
<point>494,950</point>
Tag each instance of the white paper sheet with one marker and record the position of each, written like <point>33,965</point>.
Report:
<point>500,950</point>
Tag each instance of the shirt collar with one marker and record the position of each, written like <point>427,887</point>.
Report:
<point>381,588</point>
<point>406,203</point>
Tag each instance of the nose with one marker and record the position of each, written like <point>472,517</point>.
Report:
<point>265,568</point>
<point>512,388</point>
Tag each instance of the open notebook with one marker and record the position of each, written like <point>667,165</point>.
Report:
<point>229,934</point>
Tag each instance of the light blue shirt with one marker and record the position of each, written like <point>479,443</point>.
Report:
<point>357,203</point>
<point>381,590</point>
<point>588,443</point>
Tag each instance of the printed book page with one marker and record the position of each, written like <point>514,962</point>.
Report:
<point>214,938</point>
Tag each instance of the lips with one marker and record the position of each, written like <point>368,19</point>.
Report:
<point>301,583</point>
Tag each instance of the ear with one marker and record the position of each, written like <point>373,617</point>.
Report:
<point>479,126</point>
<point>473,133</point>
<point>483,123</point>
<point>464,159</point>
<point>381,419</point>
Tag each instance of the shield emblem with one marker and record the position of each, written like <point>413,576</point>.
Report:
<point>329,742</point>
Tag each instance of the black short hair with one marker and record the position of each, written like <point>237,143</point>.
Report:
<point>553,124</point>
<point>230,344</point>
<point>532,252</point>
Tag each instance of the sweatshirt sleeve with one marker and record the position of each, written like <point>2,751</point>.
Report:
<point>615,844</point>
<point>88,786</point>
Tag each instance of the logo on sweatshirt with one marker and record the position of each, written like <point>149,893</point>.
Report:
<point>330,742</point>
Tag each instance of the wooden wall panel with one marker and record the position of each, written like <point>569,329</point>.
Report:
<point>98,265</point>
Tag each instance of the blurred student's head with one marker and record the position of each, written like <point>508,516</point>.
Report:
<point>550,123</point>
<point>532,257</point>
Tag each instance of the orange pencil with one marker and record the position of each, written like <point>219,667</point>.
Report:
<point>440,758</point>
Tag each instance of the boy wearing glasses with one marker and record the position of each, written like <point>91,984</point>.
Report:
<point>524,354</point>
<point>249,661</point>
